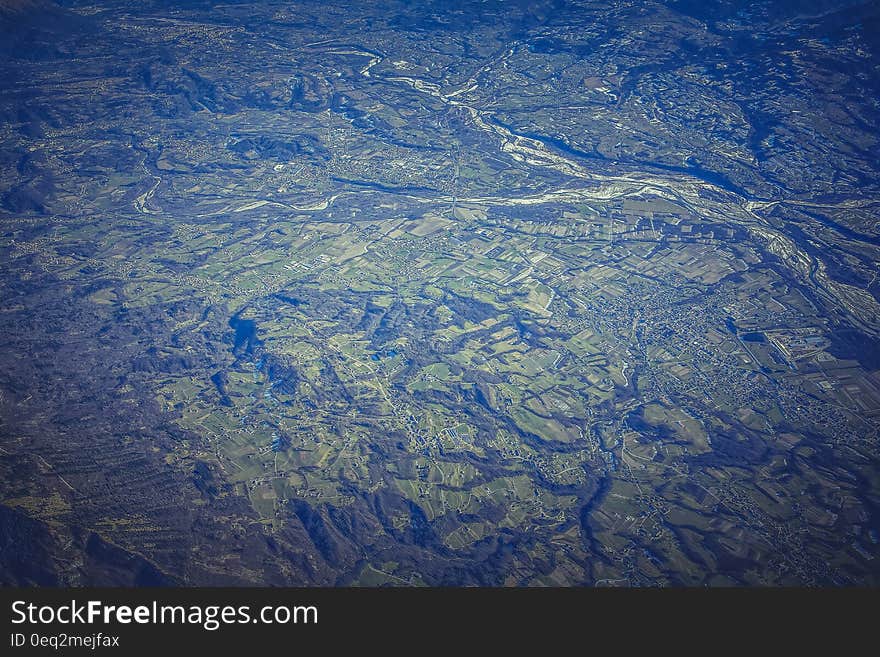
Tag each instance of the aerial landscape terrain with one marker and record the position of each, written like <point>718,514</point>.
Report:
<point>440,292</point>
